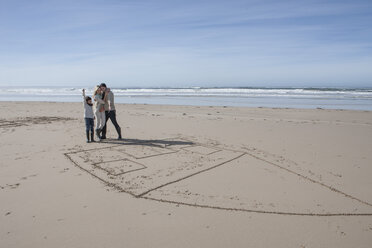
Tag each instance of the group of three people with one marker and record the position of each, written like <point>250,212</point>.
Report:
<point>103,110</point>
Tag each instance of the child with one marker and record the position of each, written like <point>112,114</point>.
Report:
<point>88,116</point>
<point>99,110</point>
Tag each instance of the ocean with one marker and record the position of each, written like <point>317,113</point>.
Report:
<point>326,98</point>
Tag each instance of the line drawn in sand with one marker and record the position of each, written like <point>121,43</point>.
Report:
<point>26,121</point>
<point>183,172</point>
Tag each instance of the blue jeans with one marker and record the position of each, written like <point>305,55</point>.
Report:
<point>89,124</point>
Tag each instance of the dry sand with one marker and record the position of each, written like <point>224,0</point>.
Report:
<point>185,177</point>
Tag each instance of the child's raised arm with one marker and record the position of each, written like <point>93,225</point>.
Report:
<point>83,95</point>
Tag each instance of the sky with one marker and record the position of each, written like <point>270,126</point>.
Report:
<point>173,43</point>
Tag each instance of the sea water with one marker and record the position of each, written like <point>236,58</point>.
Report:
<point>327,98</point>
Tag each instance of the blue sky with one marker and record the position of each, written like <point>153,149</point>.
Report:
<point>186,43</point>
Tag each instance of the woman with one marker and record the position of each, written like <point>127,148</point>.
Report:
<point>99,110</point>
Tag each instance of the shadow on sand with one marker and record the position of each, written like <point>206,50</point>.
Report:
<point>154,143</point>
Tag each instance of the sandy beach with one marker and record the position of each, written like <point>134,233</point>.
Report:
<point>185,176</point>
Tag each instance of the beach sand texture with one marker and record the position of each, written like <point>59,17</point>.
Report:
<point>185,176</point>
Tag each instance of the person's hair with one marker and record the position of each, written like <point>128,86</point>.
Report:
<point>103,85</point>
<point>95,91</point>
<point>87,98</point>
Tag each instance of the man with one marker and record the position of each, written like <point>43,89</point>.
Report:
<point>109,112</point>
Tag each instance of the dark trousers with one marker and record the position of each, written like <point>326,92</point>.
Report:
<point>89,124</point>
<point>112,116</point>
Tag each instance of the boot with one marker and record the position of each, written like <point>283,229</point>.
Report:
<point>103,133</point>
<point>87,134</point>
<point>98,134</point>
<point>119,133</point>
<point>92,136</point>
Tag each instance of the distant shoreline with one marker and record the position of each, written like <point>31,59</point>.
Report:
<point>299,98</point>
<point>320,88</point>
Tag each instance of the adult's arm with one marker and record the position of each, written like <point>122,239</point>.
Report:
<point>111,99</point>
<point>99,100</point>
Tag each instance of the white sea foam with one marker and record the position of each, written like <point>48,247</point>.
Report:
<point>203,92</point>
<point>270,97</point>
